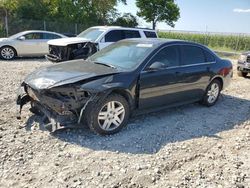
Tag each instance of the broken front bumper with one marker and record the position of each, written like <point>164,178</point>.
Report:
<point>53,58</point>
<point>243,66</point>
<point>52,120</point>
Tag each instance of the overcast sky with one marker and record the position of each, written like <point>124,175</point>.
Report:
<point>202,15</point>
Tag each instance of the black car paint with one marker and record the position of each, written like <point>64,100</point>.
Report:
<point>65,73</point>
<point>142,88</point>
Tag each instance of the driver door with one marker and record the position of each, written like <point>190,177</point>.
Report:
<point>162,87</point>
<point>31,44</point>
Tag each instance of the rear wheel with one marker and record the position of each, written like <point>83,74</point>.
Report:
<point>108,116</point>
<point>242,74</point>
<point>212,93</point>
<point>7,53</point>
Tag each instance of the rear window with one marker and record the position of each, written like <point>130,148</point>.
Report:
<point>116,35</point>
<point>131,34</point>
<point>150,34</point>
<point>50,36</point>
<point>192,55</point>
<point>209,56</point>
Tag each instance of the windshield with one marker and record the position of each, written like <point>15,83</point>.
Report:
<point>16,35</point>
<point>91,33</point>
<point>123,54</point>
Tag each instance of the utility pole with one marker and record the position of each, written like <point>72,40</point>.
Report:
<point>6,23</point>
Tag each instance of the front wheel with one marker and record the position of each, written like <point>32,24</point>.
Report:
<point>108,116</point>
<point>7,53</point>
<point>212,93</point>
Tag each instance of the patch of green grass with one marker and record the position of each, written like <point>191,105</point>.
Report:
<point>227,43</point>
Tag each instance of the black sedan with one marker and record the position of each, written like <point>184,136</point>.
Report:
<point>126,78</point>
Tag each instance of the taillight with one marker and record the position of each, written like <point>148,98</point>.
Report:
<point>225,71</point>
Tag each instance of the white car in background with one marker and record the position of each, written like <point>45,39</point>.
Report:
<point>91,40</point>
<point>27,43</point>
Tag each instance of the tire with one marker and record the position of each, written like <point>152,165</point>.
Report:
<point>7,53</point>
<point>242,74</point>
<point>212,93</point>
<point>103,119</point>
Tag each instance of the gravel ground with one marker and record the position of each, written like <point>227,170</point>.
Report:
<point>188,146</point>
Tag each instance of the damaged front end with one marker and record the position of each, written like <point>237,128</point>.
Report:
<point>61,107</point>
<point>80,50</point>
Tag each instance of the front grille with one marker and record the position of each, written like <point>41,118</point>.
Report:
<point>57,51</point>
<point>248,59</point>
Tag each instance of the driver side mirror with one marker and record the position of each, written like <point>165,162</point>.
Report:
<point>21,38</point>
<point>156,66</point>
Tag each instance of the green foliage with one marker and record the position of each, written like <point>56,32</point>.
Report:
<point>158,10</point>
<point>88,12</point>
<point>215,41</point>
<point>126,20</point>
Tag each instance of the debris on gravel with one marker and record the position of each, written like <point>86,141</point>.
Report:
<point>188,146</point>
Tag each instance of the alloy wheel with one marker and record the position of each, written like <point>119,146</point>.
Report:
<point>111,115</point>
<point>7,53</point>
<point>213,93</point>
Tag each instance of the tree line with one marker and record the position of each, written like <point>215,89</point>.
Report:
<point>91,12</point>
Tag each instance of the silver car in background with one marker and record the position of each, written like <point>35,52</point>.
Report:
<point>27,43</point>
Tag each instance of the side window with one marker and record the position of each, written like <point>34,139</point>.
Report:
<point>114,36</point>
<point>169,56</point>
<point>150,34</point>
<point>50,36</point>
<point>131,34</point>
<point>192,55</point>
<point>33,36</point>
<point>209,56</point>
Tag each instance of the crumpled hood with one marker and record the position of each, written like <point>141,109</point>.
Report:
<point>65,73</point>
<point>67,41</point>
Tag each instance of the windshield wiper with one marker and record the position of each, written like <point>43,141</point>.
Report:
<point>105,64</point>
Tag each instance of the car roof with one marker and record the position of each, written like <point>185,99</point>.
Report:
<point>119,27</point>
<point>38,31</point>
<point>160,41</point>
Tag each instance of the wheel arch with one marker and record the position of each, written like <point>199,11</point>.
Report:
<point>9,47</point>
<point>124,93</point>
<point>220,79</point>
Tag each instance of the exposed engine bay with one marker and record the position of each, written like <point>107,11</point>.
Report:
<point>72,51</point>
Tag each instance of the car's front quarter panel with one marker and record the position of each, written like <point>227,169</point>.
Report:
<point>7,42</point>
<point>123,82</point>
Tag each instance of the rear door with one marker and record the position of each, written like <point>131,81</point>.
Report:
<point>44,47</point>
<point>195,71</point>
